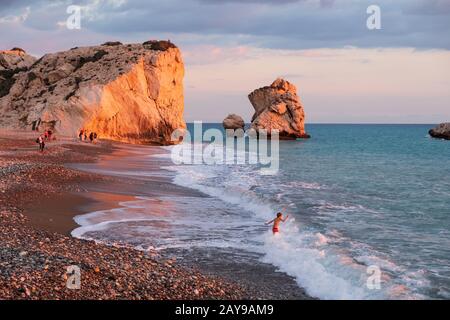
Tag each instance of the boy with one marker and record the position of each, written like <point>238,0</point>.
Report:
<point>277,221</point>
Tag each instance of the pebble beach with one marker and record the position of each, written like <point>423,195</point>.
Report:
<point>36,249</point>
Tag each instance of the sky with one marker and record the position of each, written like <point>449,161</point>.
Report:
<point>344,71</point>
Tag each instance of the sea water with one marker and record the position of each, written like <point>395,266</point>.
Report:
<point>365,202</point>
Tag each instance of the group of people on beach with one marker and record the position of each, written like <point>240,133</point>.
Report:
<point>83,135</point>
<point>46,136</point>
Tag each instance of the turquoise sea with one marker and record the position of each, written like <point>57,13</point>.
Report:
<point>366,203</point>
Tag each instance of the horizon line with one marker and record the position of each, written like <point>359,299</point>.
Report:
<point>355,123</point>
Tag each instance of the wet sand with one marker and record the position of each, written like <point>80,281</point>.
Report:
<point>58,217</point>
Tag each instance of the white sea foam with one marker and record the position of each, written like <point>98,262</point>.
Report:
<point>193,176</point>
<point>304,254</point>
<point>316,269</point>
<point>305,185</point>
<point>315,259</point>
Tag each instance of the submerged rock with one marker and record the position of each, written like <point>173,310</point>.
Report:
<point>277,107</point>
<point>233,121</point>
<point>442,131</point>
<point>131,93</point>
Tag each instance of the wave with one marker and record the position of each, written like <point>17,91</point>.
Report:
<point>311,257</point>
<point>128,211</point>
<point>324,261</point>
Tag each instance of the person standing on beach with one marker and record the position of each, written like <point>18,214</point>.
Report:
<point>91,137</point>
<point>276,222</point>
<point>81,134</point>
<point>41,142</point>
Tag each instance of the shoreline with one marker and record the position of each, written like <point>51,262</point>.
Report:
<point>93,191</point>
<point>35,253</point>
<point>149,180</point>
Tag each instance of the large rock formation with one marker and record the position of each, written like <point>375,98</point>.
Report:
<point>131,93</point>
<point>442,131</point>
<point>277,107</point>
<point>12,62</point>
<point>233,121</point>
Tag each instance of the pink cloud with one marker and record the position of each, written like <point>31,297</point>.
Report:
<point>209,54</point>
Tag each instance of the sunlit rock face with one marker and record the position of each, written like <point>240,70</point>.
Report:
<point>131,93</point>
<point>278,107</point>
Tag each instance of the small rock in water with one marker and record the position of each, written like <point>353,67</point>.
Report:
<point>442,131</point>
<point>233,121</point>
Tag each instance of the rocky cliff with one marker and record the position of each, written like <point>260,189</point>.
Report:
<point>131,93</point>
<point>278,107</point>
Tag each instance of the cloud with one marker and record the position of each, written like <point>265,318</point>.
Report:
<point>283,24</point>
<point>336,85</point>
<point>327,3</point>
<point>232,47</point>
<point>270,2</point>
<point>209,54</point>
<point>322,3</point>
<point>429,7</point>
<point>21,17</point>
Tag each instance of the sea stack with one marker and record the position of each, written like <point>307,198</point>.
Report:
<point>123,92</point>
<point>278,107</point>
<point>442,131</point>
